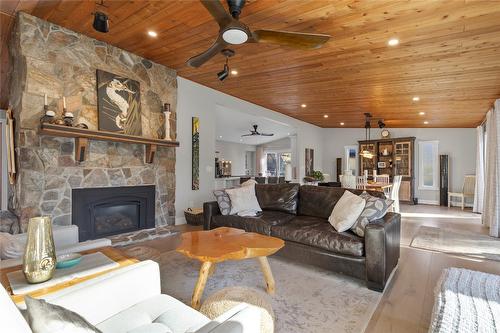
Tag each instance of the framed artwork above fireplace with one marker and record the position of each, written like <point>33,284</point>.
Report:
<point>118,104</point>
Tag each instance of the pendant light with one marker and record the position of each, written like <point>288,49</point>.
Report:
<point>366,153</point>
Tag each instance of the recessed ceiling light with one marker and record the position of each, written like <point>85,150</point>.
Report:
<point>426,122</point>
<point>342,124</point>
<point>416,98</point>
<point>234,72</point>
<point>421,113</point>
<point>325,116</point>
<point>287,133</point>
<point>220,136</point>
<point>393,42</point>
<point>152,33</point>
<point>241,140</point>
<point>303,105</point>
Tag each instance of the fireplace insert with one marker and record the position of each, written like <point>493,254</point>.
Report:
<point>105,211</point>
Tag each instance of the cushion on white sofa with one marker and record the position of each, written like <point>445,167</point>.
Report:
<point>102,297</point>
<point>159,309</point>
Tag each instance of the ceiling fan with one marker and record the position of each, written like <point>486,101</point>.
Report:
<point>255,132</point>
<point>232,31</point>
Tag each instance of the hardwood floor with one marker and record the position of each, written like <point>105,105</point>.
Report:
<point>407,302</point>
<point>406,305</point>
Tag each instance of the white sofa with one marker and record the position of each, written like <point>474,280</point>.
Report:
<point>65,241</point>
<point>129,300</point>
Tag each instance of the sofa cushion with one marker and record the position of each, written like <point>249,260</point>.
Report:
<point>223,201</point>
<point>243,199</point>
<point>44,317</point>
<point>375,209</point>
<point>317,232</point>
<point>319,201</point>
<point>160,313</point>
<point>346,211</point>
<point>261,224</point>
<point>278,197</point>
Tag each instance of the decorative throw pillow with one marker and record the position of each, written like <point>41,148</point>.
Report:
<point>44,317</point>
<point>223,201</point>
<point>249,182</point>
<point>243,198</point>
<point>375,209</point>
<point>10,247</point>
<point>346,211</point>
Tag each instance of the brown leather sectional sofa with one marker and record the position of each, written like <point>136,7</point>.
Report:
<point>299,215</point>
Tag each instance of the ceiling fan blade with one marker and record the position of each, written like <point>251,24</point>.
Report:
<point>266,134</point>
<point>202,58</point>
<point>293,39</point>
<point>247,134</point>
<point>218,12</point>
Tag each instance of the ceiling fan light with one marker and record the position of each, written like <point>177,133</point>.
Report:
<point>234,36</point>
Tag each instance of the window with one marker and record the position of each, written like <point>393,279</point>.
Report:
<point>428,165</point>
<point>276,163</point>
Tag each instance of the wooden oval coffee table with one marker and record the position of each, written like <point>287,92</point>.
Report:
<point>221,244</point>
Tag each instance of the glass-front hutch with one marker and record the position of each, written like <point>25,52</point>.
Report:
<point>391,157</point>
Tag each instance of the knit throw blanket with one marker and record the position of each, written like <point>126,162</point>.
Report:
<point>466,301</point>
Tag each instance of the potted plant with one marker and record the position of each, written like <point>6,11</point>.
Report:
<point>315,176</point>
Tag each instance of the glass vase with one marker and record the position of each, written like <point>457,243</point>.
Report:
<point>39,261</point>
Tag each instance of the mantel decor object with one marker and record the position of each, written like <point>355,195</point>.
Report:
<point>39,260</point>
<point>167,113</point>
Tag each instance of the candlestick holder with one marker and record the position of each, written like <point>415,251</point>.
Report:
<point>68,117</point>
<point>48,115</point>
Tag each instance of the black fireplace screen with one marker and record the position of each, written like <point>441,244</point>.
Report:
<point>101,212</point>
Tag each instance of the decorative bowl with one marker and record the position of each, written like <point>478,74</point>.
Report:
<point>68,260</point>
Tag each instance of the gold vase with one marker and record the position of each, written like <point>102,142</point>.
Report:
<point>39,261</point>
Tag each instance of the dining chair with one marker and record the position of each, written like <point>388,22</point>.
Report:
<point>396,184</point>
<point>348,181</point>
<point>244,179</point>
<point>260,180</point>
<point>361,182</point>
<point>468,189</point>
<point>383,179</point>
<point>272,180</point>
<point>281,180</point>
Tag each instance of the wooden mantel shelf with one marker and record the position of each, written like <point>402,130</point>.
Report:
<point>82,135</point>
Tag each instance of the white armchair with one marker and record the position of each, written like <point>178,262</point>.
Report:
<point>129,300</point>
<point>65,241</point>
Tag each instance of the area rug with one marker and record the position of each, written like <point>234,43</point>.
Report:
<point>307,299</point>
<point>454,242</point>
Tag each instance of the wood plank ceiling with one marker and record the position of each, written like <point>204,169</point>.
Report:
<point>448,54</point>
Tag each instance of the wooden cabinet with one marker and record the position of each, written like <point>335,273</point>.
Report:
<point>391,157</point>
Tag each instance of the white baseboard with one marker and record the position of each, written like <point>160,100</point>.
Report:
<point>436,203</point>
<point>459,204</point>
<point>428,202</point>
<point>180,220</point>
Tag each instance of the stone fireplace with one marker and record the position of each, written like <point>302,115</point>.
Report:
<point>48,59</point>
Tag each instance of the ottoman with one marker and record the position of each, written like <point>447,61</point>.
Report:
<point>227,298</point>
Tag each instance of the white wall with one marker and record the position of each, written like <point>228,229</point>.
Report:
<point>278,145</point>
<point>196,100</point>
<point>458,143</point>
<point>234,152</point>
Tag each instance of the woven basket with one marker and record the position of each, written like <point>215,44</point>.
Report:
<point>194,216</point>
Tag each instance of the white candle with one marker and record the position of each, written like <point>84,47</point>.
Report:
<point>167,125</point>
<point>45,100</point>
<point>64,102</point>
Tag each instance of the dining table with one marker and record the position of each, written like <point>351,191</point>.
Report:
<point>377,186</point>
